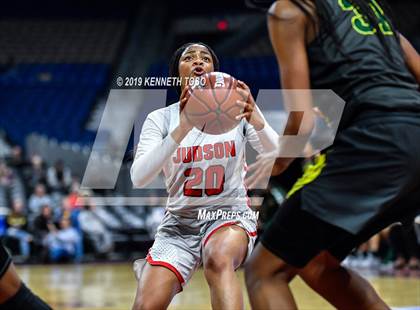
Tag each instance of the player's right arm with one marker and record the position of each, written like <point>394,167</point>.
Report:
<point>153,149</point>
<point>412,58</point>
<point>184,126</point>
<point>155,146</point>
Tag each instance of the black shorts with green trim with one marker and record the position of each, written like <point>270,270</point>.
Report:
<point>297,236</point>
<point>367,181</point>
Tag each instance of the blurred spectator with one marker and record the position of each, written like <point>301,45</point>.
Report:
<point>404,241</point>
<point>42,221</point>
<point>17,225</point>
<point>6,175</point>
<point>38,199</point>
<point>59,177</point>
<point>62,243</point>
<point>74,194</point>
<point>371,254</point>
<point>94,229</point>
<point>36,173</point>
<point>68,212</point>
<point>16,159</point>
<point>41,226</point>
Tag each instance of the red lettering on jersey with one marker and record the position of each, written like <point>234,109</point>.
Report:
<point>218,150</point>
<point>198,153</point>
<point>186,154</point>
<point>177,159</point>
<point>230,149</point>
<point>208,151</point>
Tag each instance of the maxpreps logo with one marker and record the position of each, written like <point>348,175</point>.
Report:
<point>124,108</point>
<point>211,215</point>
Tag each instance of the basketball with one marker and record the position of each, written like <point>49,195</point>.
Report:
<point>212,105</point>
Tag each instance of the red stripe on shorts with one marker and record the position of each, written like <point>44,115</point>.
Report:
<point>217,228</point>
<point>166,265</point>
<point>252,233</point>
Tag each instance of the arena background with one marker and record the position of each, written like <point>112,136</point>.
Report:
<point>58,62</point>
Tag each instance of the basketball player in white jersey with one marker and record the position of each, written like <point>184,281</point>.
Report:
<point>203,173</point>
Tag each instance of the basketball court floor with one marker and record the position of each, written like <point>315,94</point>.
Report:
<point>112,287</point>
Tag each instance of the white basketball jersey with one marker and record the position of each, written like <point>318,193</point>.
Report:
<point>204,171</point>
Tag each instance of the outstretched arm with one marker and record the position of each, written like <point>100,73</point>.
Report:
<point>412,58</point>
<point>287,26</point>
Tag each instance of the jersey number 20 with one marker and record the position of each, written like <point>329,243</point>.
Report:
<point>214,178</point>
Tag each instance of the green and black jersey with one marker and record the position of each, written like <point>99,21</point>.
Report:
<point>361,70</point>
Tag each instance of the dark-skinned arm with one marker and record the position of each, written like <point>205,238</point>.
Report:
<point>412,58</point>
<point>287,26</point>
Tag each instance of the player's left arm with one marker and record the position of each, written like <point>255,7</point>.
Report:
<point>259,133</point>
<point>250,110</point>
<point>288,28</point>
<point>412,58</point>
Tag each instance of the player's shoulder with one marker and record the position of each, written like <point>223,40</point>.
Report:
<point>287,10</point>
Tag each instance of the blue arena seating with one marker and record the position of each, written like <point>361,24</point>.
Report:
<point>56,99</point>
<point>52,99</point>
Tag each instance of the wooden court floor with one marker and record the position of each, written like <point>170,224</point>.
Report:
<point>112,287</point>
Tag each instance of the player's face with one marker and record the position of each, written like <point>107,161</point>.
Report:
<point>195,61</point>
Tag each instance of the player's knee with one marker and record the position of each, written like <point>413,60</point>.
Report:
<point>324,262</point>
<point>256,270</point>
<point>217,263</point>
<point>144,303</point>
<point>322,265</point>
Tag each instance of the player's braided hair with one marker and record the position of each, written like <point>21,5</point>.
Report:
<point>174,63</point>
<point>324,12</point>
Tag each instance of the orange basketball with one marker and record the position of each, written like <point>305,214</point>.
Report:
<point>212,105</point>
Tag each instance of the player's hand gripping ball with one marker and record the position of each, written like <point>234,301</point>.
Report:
<point>212,106</point>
